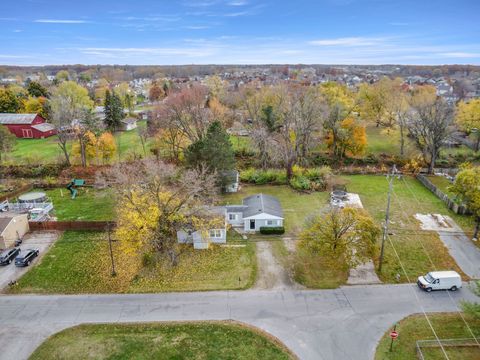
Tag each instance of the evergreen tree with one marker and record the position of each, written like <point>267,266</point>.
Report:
<point>213,151</point>
<point>113,110</point>
<point>36,90</point>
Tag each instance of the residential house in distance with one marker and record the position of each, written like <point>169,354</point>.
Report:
<point>128,124</point>
<point>27,126</point>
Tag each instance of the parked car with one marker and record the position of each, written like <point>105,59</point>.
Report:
<point>26,257</point>
<point>440,280</point>
<point>7,256</point>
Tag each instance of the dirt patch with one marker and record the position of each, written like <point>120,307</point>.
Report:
<point>271,273</point>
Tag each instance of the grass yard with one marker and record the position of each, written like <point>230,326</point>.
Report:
<point>47,151</point>
<point>90,204</point>
<point>414,328</point>
<point>381,141</point>
<point>443,184</point>
<point>197,340</point>
<point>79,262</point>
<point>409,197</point>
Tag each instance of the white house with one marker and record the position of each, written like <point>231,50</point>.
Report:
<point>128,124</point>
<point>12,228</point>
<point>257,211</point>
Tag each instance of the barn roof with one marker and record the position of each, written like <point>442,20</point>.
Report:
<point>17,119</point>
<point>45,127</point>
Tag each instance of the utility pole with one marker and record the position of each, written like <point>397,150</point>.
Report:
<point>390,178</point>
<point>111,251</point>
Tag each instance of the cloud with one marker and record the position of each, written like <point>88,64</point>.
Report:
<point>238,3</point>
<point>136,52</point>
<point>197,27</point>
<point>347,41</point>
<point>460,55</point>
<point>60,21</point>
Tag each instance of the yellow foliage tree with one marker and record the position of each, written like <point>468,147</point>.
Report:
<point>351,138</point>
<point>468,118</point>
<point>106,147</point>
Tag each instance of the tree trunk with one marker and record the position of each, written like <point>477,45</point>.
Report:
<point>83,154</point>
<point>402,141</point>
<point>477,228</point>
<point>432,162</point>
<point>477,143</point>
<point>63,146</point>
<point>289,169</point>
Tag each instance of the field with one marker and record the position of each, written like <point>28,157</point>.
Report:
<point>90,204</point>
<point>415,248</point>
<point>208,340</point>
<point>47,151</point>
<point>443,184</point>
<point>79,262</point>
<point>414,328</point>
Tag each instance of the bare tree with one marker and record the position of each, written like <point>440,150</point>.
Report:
<point>430,127</point>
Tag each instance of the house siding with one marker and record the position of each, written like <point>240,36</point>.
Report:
<point>261,223</point>
<point>9,234</point>
<point>238,221</point>
<point>26,131</point>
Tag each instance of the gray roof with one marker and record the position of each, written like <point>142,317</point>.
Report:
<point>44,127</point>
<point>261,203</point>
<point>4,223</point>
<point>16,119</point>
<point>235,208</point>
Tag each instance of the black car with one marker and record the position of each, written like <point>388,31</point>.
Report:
<point>26,257</point>
<point>7,256</point>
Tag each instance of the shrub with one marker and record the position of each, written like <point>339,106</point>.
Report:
<point>300,183</point>
<point>277,230</point>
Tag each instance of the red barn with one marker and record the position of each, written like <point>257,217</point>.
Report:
<point>27,126</point>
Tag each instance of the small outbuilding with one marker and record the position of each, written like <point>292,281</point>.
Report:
<point>128,124</point>
<point>12,228</point>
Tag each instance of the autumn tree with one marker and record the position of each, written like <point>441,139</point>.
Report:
<point>7,141</point>
<point>468,118</point>
<point>342,237</point>
<point>37,105</point>
<point>339,106</point>
<point>9,103</point>
<point>156,92</point>
<point>69,103</point>
<point>156,201</point>
<point>430,127</point>
<point>351,138</point>
<point>467,189</point>
<point>62,75</point>
<point>106,147</point>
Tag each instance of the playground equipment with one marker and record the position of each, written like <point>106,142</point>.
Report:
<point>72,186</point>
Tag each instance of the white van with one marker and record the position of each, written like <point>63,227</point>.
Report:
<point>440,280</point>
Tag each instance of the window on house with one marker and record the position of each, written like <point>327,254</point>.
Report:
<point>215,233</point>
<point>232,217</point>
<point>271,222</point>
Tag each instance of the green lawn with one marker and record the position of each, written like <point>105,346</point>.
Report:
<point>90,204</point>
<point>443,184</point>
<point>207,340</point>
<point>47,151</point>
<point>414,328</point>
<point>79,262</point>
<point>409,197</point>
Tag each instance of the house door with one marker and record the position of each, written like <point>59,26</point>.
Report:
<point>27,133</point>
<point>252,224</point>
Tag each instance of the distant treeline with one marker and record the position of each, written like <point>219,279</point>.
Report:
<point>130,72</point>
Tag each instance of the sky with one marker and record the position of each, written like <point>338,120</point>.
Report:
<point>148,32</point>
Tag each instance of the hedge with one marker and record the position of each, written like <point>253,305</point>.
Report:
<point>278,230</point>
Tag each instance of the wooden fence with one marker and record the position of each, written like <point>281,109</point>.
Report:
<point>71,225</point>
<point>460,209</point>
<point>17,192</point>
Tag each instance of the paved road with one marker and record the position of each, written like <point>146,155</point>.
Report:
<point>465,253</point>
<point>339,324</point>
<point>35,240</point>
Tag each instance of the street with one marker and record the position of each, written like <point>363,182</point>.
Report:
<point>340,324</point>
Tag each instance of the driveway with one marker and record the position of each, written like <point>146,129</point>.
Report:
<point>340,324</point>
<point>40,240</point>
<point>270,273</point>
<point>460,247</point>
